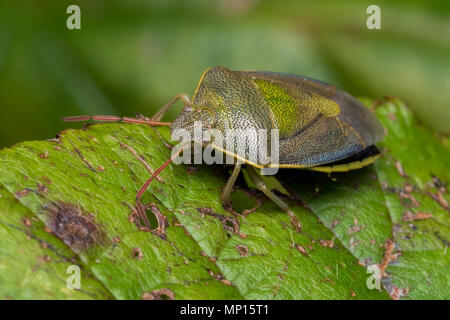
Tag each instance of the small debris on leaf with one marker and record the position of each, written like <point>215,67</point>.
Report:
<point>137,253</point>
<point>409,216</point>
<point>389,245</point>
<point>42,188</point>
<point>408,200</point>
<point>396,293</point>
<point>229,224</point>
<point>191,169</point>
<point>26,222</point>
<point>243,250</point>
<point>161,294</point>
<point>116,239</point>
<point>439,198</point>
<point>45,258</point>
<point>44,155</point>
<point>327,243</point>
<point>22,193</point>
<point>226,282</point>
<point>400,169</point>
<point>301,249</point>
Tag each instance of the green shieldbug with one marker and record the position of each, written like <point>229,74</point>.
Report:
<point>319,127</point>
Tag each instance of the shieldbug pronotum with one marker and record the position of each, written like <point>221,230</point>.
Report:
<point>319,127</point>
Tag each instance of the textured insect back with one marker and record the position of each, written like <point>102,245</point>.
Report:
<point>318,123</point>
<point>317,97</point>
<point>294,105</point>
<point>315,124</point>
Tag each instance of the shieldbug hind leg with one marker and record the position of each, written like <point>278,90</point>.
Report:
<point>261,185</point>
<point>226,192</point>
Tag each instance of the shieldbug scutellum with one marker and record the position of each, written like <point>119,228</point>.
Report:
<point>319,127</point>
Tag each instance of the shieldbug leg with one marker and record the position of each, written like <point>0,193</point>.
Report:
<point>114,119</point>
<point>142,214</point>
<point>155,174</point>
<point>261,185</point>
<point>161,112</point>
<point>226,192</point>
<point>140,208</point>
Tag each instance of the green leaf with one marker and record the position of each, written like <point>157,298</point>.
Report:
<point>82,185</point>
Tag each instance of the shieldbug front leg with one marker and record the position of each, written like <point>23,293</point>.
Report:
<point>161,112</point>
<point>226,192</point>
<point>261,185</point>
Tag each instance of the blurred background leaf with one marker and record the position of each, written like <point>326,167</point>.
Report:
<point>132,56</point>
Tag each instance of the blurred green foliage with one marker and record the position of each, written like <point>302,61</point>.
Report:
<point>133,56</point>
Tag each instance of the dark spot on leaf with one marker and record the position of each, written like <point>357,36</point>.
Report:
<point>74,227</point>
<point>229,224</point>
<point>160,294</point>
